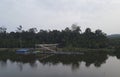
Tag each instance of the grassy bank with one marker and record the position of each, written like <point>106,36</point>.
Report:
<point>14,49</point>
<point>85,50</point>
<point>8,49</point>
<point>68,49</point>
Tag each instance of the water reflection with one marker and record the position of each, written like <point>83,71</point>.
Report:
<point>73,60</point>
<point>87,65</point>
<point>3,64</point>
<point>117,54</point>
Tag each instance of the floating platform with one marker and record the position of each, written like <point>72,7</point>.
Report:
<point>23,51</point>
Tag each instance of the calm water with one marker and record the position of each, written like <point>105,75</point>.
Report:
<point>87,65</point>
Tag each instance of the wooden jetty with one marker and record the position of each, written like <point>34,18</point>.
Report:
<point>52,51</point>
<point>47,46</point>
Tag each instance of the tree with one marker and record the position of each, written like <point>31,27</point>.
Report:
<point>3,30</point>
<point>66,38</point>
<point>19,30</point>
<point>75,28</point>
<point>88,30</point>
<point>32,30</point>
<point>3,36</point>
<point>67,29</point>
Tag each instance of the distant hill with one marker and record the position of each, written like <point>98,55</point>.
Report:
<point>114,36</point>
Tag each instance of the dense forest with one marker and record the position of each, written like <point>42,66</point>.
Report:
<point>69,37</point>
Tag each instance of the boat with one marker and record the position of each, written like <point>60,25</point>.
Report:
<point>23,51</point>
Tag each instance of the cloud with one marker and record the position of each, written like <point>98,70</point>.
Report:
<point>104,14</point>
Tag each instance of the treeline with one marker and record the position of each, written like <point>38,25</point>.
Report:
<point>69,37</point>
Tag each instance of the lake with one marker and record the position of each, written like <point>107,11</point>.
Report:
<point>87,65</point>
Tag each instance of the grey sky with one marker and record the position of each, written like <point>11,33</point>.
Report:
<point>58,14</point>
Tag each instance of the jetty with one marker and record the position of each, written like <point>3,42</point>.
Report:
<point>49,49</point>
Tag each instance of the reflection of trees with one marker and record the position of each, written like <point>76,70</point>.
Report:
<point>33,65</point>
<point>25,59</point>
<point>117,54</point>
<point>20,66</point>
<point>3,64</point>
<point>74,60</point>
<point>96,59</point>
<point>20,59</point>
<point>3,59</point>
<point>75,66</point>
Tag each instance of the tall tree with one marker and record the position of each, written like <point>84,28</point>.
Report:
<point>75,28</point>
<point>3,30</point>
<point>19,30</point>
<point>33,30</point>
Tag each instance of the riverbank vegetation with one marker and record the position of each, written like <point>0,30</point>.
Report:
<point>72,37</point>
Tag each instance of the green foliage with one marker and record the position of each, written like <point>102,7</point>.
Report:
<point>66,38</point>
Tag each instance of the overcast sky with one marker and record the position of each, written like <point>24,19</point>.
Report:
<point>58,14</point>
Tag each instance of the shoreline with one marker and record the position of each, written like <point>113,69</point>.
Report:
<point>65,49</point>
